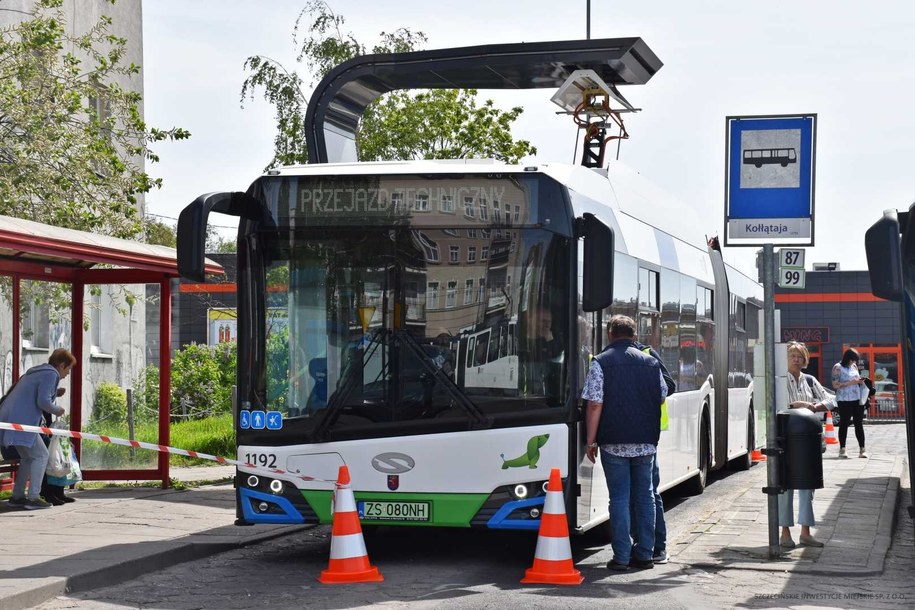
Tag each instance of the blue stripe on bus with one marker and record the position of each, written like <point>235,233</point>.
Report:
<point>501,521</point>
<point>248,496</point>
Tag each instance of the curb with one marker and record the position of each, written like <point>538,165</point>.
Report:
<point>886,521</point>
<point>172,553</point>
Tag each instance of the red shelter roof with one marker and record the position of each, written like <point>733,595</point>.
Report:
<point>33,242</point>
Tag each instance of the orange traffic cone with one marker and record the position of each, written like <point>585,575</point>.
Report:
<point>349,561</point>
<point>553,557</point>
<point>757,456</point>
<point>830,431</point>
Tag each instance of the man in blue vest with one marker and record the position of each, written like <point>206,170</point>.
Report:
<point>624,390</point>
<point>660,524</point>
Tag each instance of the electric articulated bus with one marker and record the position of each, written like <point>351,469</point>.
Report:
<point>438,318</point>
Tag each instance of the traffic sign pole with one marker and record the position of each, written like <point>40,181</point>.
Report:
<point>769,194</point>
<point>771,429</point>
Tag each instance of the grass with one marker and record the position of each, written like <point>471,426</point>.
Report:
<point>213,435</point>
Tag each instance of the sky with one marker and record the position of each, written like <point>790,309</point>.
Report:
<point>851,63</point>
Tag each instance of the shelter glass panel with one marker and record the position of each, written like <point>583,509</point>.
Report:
<point>120,394</point>
<point>6,333</point>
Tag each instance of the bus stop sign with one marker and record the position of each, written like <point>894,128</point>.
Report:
<point>769,180</point>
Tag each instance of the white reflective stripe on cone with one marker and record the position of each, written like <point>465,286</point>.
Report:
<point>554,503</point>
<point>553,549</point>
<point>345,547</point>
<point>344,501</point>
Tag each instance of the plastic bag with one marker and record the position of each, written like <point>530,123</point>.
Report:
<point>73,476</point>
<point>58,458</point>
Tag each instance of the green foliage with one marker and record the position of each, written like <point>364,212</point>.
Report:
<point>71,138</point>
<point>159,233</point>
<point>433,125</point>
<point>439,124</point>
<point>110,406</point>
<point>224,246</point>
<point>215,242</point>
<point>196,388</point>
<point>226,355</point>
<point>51,297</point>
<point>213,435</point>
<point>278,368</point>
<point>146,396</point>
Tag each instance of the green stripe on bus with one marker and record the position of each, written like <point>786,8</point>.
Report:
<point>448,510</point>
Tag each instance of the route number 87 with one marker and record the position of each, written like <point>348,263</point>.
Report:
<point>791,258</point>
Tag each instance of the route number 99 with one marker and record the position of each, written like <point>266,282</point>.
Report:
<point>791,278</point>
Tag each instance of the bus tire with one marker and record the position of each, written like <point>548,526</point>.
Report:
<point>696,485</point>
<point>745,461</point>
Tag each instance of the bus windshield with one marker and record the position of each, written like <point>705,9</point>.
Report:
<point>371,328</point>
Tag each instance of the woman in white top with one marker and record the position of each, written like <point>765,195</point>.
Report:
<point>801,395</point>
<point>849,384</point>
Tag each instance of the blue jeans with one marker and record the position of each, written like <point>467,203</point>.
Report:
<point>32,463</point>
<point>804,507</point>
<point>660,525</point>
<point>630,478</point>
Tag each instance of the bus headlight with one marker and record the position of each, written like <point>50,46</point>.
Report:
<point>253,481</point>
<point>263,507</point>
<point>535,512</point>
<point>276,486</point>
<point>520,491</point>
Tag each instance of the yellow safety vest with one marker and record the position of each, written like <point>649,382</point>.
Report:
<point>665,422</point>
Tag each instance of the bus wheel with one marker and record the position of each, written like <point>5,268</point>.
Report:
<point>745,461</point>
<point>696,485</point>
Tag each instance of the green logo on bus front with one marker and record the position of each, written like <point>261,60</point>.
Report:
<point>530,457</point>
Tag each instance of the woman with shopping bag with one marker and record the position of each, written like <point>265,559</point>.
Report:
<point>62,470</point>
<point>33,394</point>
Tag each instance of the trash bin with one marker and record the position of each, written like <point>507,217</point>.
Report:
<point>801,436</point>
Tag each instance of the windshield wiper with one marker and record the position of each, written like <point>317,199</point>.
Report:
<point>350,380</point>
<point>480,419</point>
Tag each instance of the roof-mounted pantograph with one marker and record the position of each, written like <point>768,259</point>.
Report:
<point>339,100</point>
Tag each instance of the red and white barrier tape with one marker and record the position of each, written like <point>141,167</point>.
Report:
<point>154,447</point>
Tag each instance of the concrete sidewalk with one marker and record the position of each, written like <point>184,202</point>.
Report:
<point>114,534</point>
<point>111,535</point>
<point>855,513</point>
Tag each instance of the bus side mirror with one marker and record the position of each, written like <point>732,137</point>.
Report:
<point>884,256</point>
<point>192,227</point>
<point>598,264</point>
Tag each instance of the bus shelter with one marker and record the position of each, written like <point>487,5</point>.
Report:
<point>35,254</point>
